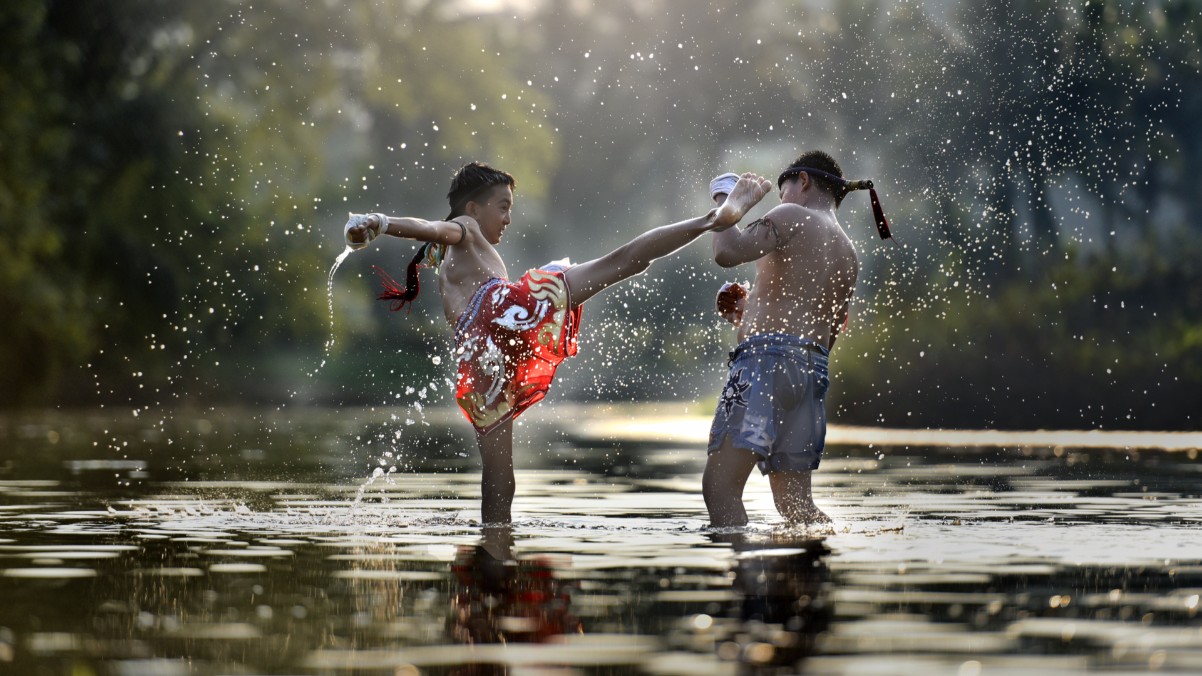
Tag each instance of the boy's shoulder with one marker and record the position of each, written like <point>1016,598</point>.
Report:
<point>795,218</point>
<point>789,212</point>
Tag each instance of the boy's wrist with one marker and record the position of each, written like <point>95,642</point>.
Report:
<point>382,224</point>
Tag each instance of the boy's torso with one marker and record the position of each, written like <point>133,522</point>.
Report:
<point>467,265</point>
<point>802,288</point>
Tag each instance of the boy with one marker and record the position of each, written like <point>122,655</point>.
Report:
<point>772,411</point>
<point>511,336</point>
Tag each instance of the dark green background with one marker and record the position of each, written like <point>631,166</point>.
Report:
<point>174,177</point>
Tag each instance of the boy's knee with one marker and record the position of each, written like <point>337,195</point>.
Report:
<point>713,485</point>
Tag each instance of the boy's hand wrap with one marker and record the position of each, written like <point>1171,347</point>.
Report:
<point>730,301</point>
<point>359,221</point>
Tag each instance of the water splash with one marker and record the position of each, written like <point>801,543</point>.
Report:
<point>330,295</point>
<point>391,461</point>
<point>380,472</point>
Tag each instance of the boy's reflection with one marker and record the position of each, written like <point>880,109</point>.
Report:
<point>780,586</point>
<point>778,612</point>
<point>501,599</point>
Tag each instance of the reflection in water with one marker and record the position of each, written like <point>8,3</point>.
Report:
<point>942,561</point>
<point>498,598</point>
<point>781,602</point>
<point>784,597</point>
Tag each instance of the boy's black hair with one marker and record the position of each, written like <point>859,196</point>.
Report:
<point>471,181</point>
<point>822,161</point>
<point>828,175</point>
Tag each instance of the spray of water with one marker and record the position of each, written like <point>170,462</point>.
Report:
<point>330,295</point>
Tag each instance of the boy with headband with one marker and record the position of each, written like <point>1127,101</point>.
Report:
<point>511,336</point>
<point>771,413</point>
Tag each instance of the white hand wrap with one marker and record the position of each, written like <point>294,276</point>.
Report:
<point>383,221</point>
<point>357,220</point>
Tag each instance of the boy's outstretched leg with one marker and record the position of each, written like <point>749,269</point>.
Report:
<point>588,279</point>
<point>794,500</point>
<point>496,478</point>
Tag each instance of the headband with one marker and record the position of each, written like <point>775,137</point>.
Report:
<point>882,224</point>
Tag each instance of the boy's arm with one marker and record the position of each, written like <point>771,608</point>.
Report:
<point>362,228</point>
<point>439,232</point>
<point>734,247</point>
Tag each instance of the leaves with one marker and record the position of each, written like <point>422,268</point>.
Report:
<point>173,178</point>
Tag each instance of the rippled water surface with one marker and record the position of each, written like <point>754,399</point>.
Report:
<point>317,542</point>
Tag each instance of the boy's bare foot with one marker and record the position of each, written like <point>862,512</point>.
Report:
<point>747,193</point>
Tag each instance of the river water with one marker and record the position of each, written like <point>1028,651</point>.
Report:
<point>331,542</point>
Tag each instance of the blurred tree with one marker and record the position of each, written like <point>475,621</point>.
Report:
<point>1048,112</point>
<point>88,173</point>
<point>361,108</point>
<point>167,168</point>
<point>649,97</point>
<point>173,178</point>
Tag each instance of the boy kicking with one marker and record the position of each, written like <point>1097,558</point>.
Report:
<point>511,336</point>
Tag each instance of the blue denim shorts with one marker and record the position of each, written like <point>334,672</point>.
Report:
<point>774,403</point>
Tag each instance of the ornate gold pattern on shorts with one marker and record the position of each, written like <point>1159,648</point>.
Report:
<point>550,287</point>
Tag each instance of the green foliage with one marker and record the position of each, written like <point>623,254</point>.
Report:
<point>166,171</point>
<point>173,179</point>
<point>78,170</point>
<point>1086,344</point>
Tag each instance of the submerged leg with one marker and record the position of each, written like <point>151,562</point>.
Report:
<point>794,500</point>
<point>726,472</point>
<point>497,484</point>
<point>498,541</point>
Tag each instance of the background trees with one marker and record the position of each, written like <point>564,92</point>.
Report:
<point>173,179</point>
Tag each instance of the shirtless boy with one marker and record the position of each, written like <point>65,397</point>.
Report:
<point>511,336</point>
<point>772,411</point>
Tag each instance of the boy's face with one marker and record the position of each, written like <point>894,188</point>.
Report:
<point>493,212</point>
<point>790,190</point>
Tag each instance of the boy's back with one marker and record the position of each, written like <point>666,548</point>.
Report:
<point>804,285</point>
<point>772,412</point>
